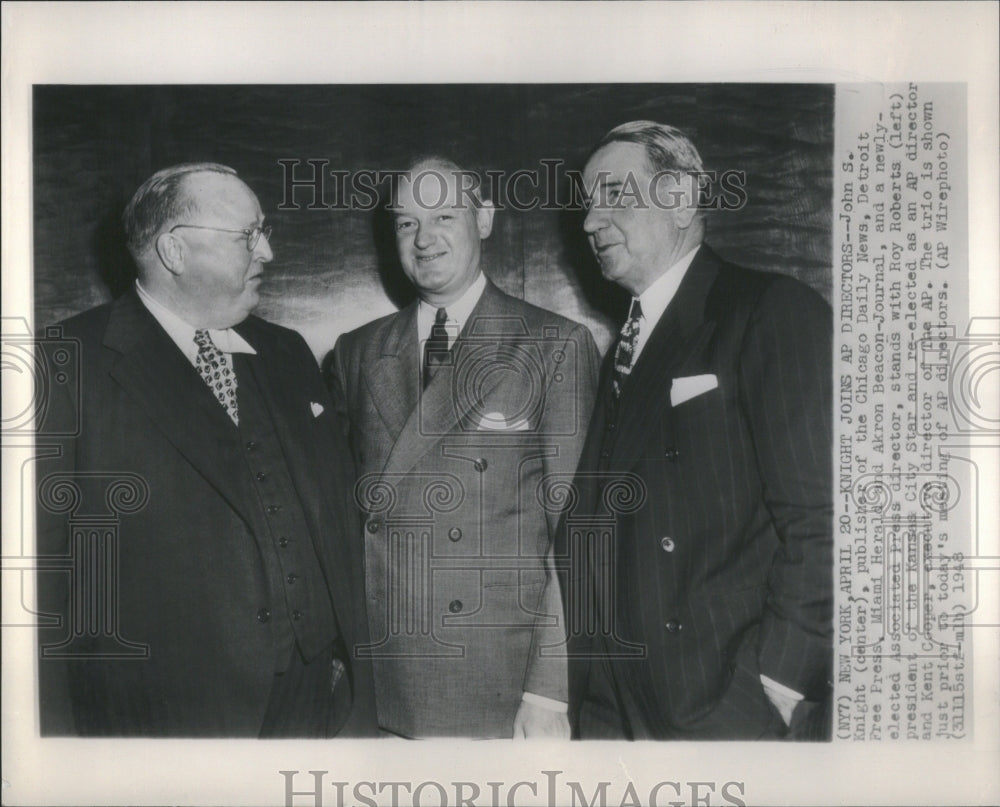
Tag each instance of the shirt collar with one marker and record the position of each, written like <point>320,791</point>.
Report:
<point>182,332</point>
<point>459,311</point>
<point>657,297</point>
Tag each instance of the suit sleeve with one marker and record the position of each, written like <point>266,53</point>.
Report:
<point>786,390</point>
<point>565,421</point>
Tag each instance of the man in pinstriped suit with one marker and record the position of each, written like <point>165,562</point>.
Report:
<point>717,396</point>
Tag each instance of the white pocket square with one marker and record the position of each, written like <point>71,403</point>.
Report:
<point>317,409</point>
<point>495,421</point>
<point>684,389</point>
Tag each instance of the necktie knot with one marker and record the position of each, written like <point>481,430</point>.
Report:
<point>203,340</point>
<point>216,371</point>
<point>625,350</point>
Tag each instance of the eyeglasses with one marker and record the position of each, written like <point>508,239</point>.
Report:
<point>253,235</point>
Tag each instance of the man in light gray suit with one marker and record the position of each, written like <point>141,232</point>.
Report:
<point>461,405</point>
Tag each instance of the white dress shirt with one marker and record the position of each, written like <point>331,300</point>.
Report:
<point>657,297</point>
<point>182,332</point>
<point>458,311</point>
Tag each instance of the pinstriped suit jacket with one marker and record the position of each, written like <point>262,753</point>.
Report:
<point>725,571</point>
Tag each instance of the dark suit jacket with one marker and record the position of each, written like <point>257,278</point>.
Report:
<point>457,539</point>
<point>189,573</point>
<point>725,571</point>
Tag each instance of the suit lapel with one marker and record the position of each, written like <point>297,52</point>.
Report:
<point>393,377</point>
<point>680,334</point>
<point>162,381</point>
<point>446,402</point>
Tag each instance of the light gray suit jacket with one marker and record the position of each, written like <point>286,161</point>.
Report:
<point>457,536</point>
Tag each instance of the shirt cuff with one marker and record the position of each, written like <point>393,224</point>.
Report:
<point>545,703</point>
<point>780,689</point>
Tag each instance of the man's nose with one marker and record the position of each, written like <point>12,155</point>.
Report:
<point>594,220</point>
<point>424,238</point>
<point>262,251</point>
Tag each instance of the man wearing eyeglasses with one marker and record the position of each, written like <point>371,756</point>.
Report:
<point>234,597</point>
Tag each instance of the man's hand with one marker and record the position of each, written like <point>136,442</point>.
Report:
<point>537,721</point>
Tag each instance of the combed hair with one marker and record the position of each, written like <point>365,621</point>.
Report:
<point>158,200</point>
<point>447,164</point>
<point>667,148</point>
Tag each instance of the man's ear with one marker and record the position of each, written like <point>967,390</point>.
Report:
<point>484,218</point>
<point>688,208</point>
<point>170,250</point>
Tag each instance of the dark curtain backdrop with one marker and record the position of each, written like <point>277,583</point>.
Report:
<point>335,269</point>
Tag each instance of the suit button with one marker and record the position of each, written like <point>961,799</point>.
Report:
<point>374,525</point>
<point>263,615</point>
<point>455,534</point>
<point>282,542</point>
<point>610,425</point>
<point>273,508</point>
<point>605,454</point>
<point>455,606</point>
<point>667,544</point>
<point>261,476</point>
<point>672,454</point>
<point>292,578</point>
<point>297,615</point>
<point>481,464</point>
<point>673,626</point>
<point>251,445</point>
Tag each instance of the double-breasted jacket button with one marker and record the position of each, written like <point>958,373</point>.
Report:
<point>455,534</point>
<point>251,445</point>
<point>273,508</point>
<point>672,454</point>
<point>373,525</point>
<point>283,542</point>
<point>673,626</point>
<point>263,615</point>
<point>481,464</point>
<point>610,425</point>
<point>455,606</point>
<point>292,578</point>
<point>667,544</point>
<point>261,476</point>
<point>297,615</point>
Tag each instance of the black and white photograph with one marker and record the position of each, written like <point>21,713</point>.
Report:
<point>638,423</point>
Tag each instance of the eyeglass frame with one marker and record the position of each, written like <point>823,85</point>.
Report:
<point>252,241</point>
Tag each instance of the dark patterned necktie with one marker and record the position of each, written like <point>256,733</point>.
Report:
<point>624,353</point>
<point>215,369</point>
<point>436,350</point>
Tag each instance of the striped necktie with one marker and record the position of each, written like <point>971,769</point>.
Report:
<point>436,350</point>
<point>624,352</point>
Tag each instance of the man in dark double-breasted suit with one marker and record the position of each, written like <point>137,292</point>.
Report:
<point>713,592</point>
<point>196,513</point>
<point>462,406</point>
